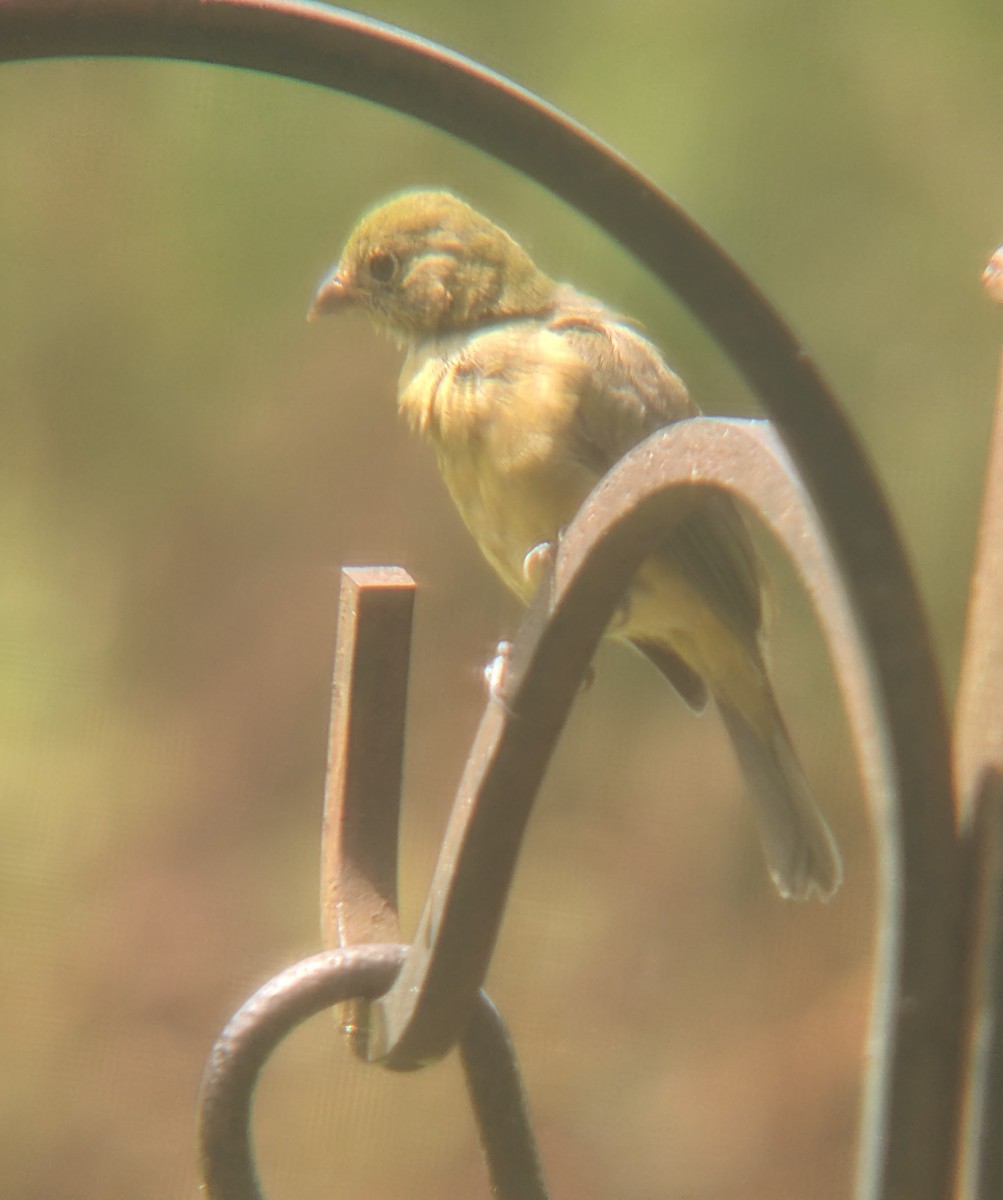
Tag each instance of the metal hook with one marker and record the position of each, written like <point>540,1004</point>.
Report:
<point>422,1014</point>
<point>360,857</point>
<point>310,987</point>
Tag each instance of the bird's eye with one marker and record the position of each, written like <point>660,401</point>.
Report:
<point>382,266</point>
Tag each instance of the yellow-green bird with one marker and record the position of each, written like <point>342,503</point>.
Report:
<point>530,391</point>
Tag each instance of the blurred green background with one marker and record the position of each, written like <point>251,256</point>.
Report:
<point>184,466</point>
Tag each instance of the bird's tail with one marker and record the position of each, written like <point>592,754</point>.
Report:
<point>800,851</point>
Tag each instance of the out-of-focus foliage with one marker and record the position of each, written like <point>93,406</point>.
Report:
<point>185,466</point>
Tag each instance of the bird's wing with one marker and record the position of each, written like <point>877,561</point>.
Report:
<point>628,393</point>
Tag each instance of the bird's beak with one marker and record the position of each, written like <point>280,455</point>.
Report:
<point>334,295</point>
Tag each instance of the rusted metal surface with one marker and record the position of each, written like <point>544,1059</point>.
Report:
<point>982,1163</point>
<point>365,757</point>
<point>499,1104</point>
<point>626,515</point>
<point>311,986</point>
<point>365,763</point>
<point>226,1157</point>
<point>979,773</point>
<point>979,715</point>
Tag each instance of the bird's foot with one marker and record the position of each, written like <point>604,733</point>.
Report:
<point>621,615</point>
<point>496,670</point>
<point>537,561</point>
<point>496,673</point>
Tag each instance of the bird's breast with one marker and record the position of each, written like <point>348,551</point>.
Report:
<point>499,408</point>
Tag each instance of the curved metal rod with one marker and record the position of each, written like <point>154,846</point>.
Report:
<point>309,987</point>
<point>340,50</point>
<point>499,1104</point>
<point>619,523</point>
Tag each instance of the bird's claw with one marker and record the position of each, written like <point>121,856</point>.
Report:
<point>536,562</point>
<point>496,670</point>
<point>620,617</point>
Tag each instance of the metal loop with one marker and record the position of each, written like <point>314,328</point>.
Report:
<point>311,986</point>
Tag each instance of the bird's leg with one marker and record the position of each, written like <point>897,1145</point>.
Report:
<point>534,567</point>
<point>621,615</point>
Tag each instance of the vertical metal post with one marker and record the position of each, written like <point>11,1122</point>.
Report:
<point>365,757</point>
<point>979,772</point>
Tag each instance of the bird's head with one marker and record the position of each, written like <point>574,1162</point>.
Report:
<point>426,264</point>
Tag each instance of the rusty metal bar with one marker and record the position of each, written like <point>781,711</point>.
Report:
<point>365,757</point>
<point>979,773</point>
<point>981,1174</point>
<point>337,977</point>
<point>495,1087</point>
<point>979,717</point>
<point>365,765</point>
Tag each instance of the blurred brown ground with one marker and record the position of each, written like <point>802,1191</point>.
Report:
<point>184,466</point>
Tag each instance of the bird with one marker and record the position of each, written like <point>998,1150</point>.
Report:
<point>529,390</point>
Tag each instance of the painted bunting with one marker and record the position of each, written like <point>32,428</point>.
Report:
<point>530,391</point>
